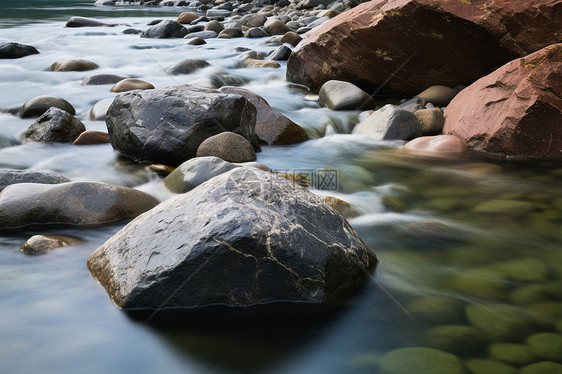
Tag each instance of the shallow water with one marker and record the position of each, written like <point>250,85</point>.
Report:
<point>466,230</point>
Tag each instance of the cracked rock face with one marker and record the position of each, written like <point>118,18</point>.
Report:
<point>244,238</point>
<point>515,111</point>
<point>167,125</point>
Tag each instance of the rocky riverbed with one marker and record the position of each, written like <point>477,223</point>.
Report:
<point>243,136</point>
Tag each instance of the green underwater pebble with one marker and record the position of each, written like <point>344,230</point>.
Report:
<point>501,321</point>
<point>516,354</point>
<point>544,367</point>
<point>437,309</point>
<point>480,366</point>
<point>456,339</point>
<point>504,207</point>
<point>421,360</point>
<point>546,345</point>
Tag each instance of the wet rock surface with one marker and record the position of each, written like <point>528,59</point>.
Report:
<point>76,203</point>
<point>11,176</point>
<point>55,125</point>
<point>272,127</point>
<point>274,240</point>
<point>168,125</point>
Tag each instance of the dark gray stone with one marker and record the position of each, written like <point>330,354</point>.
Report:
<point>55,125</point>
<point>165,29</point>
<point>85,22</point>
<point>16,50</point>
<point>202,34</point>
<point>257,32</point>
<point>167,125</point>
<point>187,66</point>
<point>11,176</point>
<point>132,31</point>
<point>281,54</point>
<point>245,238</point>
<point>76,203</point>
<point>40,104</point>
<point>195,28</point>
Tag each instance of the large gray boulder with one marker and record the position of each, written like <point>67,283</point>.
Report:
<point>84,203</point>
<point>244,238</point>
<point>55,125</point>
<point>167,125</point>
<point>164,30</point>
<point>11,176</point>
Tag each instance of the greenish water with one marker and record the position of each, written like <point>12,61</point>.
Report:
<point>470,249</point>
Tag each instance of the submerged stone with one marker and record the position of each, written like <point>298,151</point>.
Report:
<point>437,309</point>
<point>42,244</point>
<point>546,345</point>
<point>77,203</point>
<point>421,360</point>
<point>544,367</point>
<point>510,353</point>
<point>480,366</point>
<point>502,321</point>
<point>456,339</point>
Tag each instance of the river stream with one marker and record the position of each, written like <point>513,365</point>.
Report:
<point>449,232</point>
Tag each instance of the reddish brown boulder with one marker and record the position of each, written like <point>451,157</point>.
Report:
<point>515,111</point>
<point>405,46</point>
<point>272,127</point>
<point>92,137</point>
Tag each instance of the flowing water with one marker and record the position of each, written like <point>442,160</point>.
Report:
<point>449,233</point>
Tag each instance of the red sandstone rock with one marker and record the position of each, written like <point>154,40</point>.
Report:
<point>515,111</point>
<point>405,46</point>
<point>272,127</point>
<point>435,145</point>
